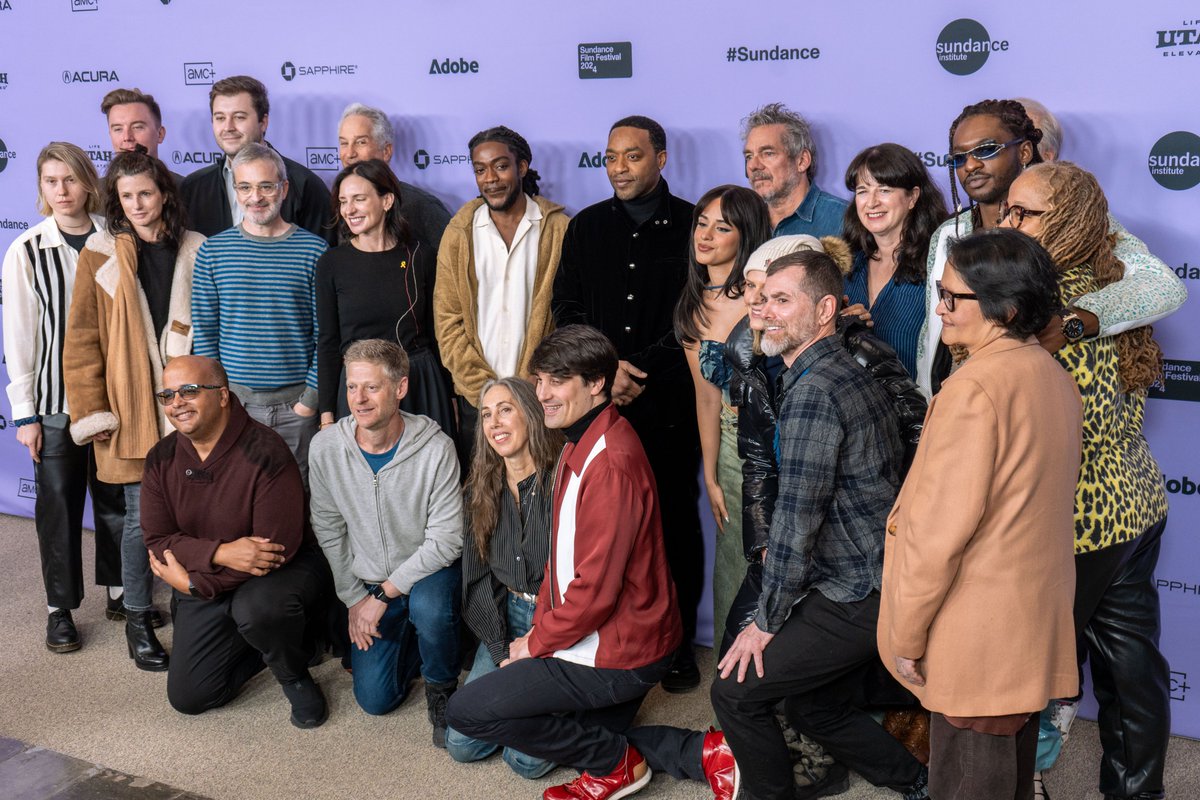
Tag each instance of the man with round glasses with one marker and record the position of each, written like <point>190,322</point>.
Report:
<point>991,142</point>
<point>223,516</point>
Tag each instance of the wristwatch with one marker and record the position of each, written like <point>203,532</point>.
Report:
<point>379,594</point>
<point>1072,325</point>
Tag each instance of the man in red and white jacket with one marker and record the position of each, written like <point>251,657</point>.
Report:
<point>607,621</point>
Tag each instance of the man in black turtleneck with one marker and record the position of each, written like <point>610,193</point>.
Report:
<point>624,263</point>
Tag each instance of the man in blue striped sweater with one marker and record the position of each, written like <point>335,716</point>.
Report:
<point>254,304</point>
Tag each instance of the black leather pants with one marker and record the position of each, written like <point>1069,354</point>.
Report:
<point>64,475</point>
<point>1117,627</point>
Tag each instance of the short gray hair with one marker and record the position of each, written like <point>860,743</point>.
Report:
<point>257,151</point>
<point>381,127</point>
<point>1052,136</point>
<point>798,136</point>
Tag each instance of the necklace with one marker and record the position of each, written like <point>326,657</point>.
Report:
<point>718,287</point>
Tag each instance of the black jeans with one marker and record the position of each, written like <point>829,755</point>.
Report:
<point>1117,627</point>
<point>816,664</point>
<point>222,643</point>
<point>64,475</point>
<point>556,710</point>
<point>980,766</point>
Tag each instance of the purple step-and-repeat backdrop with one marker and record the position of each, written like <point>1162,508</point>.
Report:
<point>1119,76</point>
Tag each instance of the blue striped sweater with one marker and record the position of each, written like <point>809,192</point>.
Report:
<point>254,306</point>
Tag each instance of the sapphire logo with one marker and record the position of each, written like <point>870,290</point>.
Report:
<point>1181,41</point>
<point>453,67</point>
<point>291,71</point>
<point>288,71</point>
<point>606,60</point>
<point>5,155</point>
<point>322,158</point>
<point>421,159</point>
<point>90,76</point>
<point>85,5</point>
<point>199,73</point>
<point>196,156</point>
<point>964,45</point>
<point>1175,160</point>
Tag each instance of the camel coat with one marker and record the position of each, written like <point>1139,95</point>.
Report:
<point>112,362</point>
<point>978,566</point>
<point>456,295</point>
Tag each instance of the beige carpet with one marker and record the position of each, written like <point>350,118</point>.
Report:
<point>93,704</point>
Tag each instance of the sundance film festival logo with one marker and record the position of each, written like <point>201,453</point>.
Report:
<point>1175,160</point>
<point>5,155</point>
<point>90,76</point>
<point>1181,41</point>
<point>606,60</point>
<point>423,159</point>
<point>291,71</point>
<point>964,45</point>
<point>85,5</point>
<point>776,53</point>
<point>198,73</point>
<point>1187,272</point>
<point>1180,380</point>
<point>322,158</point>
<point>196,156</point>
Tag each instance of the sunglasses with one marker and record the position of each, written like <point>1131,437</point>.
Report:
<point>983,152</point>
<point>189,391</point>
<point>948,297</point>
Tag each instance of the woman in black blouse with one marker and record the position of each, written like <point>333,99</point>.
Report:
<point>508,490</point>
<point>378,284</point>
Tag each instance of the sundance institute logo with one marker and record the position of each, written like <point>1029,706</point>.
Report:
<point>964,45</point>
<point>5,155</point>
<point>1175,160</point>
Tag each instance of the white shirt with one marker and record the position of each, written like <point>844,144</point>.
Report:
<point>505,278</point>
<point>235,208</point>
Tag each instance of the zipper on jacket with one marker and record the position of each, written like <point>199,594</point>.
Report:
<point>387,560</point>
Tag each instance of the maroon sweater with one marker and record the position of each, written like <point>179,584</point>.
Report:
<point>248,486</point>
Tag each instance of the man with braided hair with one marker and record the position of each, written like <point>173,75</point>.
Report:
<point>495,268</point>
<point>991,142</point>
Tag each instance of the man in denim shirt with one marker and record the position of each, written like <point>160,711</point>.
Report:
<point>812,642</point>
<point>781,160</point>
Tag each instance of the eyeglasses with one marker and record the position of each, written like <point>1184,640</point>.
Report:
<point>948,297</point>
<point>1019,213</point>
<point>265,189</point>
<point>983,152</point>
<point>189,391</point>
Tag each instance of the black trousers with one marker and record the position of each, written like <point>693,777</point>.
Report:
<point>674,456</point>
<point>556,710</point>
<point>222,643</point>
<point>816,664</point>
<point>66,472</point>
<point>1117,624</point>
<point>979,766</point>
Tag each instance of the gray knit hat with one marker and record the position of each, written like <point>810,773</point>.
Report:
<point>772,249</point>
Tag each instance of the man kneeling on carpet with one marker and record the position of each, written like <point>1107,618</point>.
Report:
<point>606,625</point>
<point>223,516</point>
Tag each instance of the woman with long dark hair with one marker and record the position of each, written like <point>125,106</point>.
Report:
<point>131,312</point>
<point>508,492</point>
<point>729,223</point>
<point>896,209</point>
<point>378,284</point>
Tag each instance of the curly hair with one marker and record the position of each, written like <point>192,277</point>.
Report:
<point>139,162</point>
<point>516,145</point>
<point>898,167</point>
<point>1074,232</point>
<point>1013,118</point>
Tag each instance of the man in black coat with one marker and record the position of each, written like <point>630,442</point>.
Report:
<point>240,113</point>
<point>624,263</point>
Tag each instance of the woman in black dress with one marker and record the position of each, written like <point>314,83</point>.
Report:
<point>378,284</point>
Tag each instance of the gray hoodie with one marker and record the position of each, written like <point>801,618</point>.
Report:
<point>402,524</point>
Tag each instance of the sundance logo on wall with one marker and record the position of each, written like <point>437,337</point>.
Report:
<point>5,155</point>
<point>1180,380</point>
<point>964,45</point>
<point>1175,160</point>
<point>606,60</point>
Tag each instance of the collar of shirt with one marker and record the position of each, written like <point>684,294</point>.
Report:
<point>815,352</point>
<point>533,213</point>
<point>807,208</point>
<point>235,208</point>
<point>661,218</point>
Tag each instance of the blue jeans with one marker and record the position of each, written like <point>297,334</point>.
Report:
<point>463,748</point>
<point>417,634</point>
<point>135,561</point>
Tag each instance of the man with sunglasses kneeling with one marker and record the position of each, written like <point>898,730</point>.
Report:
<point>224,518</point>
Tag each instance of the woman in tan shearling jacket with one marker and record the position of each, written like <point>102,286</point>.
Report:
<point>130,314</point>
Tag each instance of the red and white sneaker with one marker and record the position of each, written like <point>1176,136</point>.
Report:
<point>719,766</point>
<point>630,776</point>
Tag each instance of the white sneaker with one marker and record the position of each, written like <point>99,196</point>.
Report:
<point>1062,715</point>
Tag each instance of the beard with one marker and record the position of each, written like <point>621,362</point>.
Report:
<point>508,202</point>
<point>780,191</point>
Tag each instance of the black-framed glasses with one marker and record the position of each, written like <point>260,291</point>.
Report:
<point>948,297</point>
<point>983,152</point>
<point>265,189</point>
<point>1018,212</point>
<point>189,391</point>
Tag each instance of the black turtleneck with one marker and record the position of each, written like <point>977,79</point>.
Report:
<point>574,432</point>
<point>642,208</point>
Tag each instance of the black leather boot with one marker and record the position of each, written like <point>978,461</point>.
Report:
<point>144,647</point>
<point>61,636</point>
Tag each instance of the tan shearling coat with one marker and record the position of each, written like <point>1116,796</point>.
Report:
<point>978,570</point>
<point>112,362</point>
<point>456,294</point>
